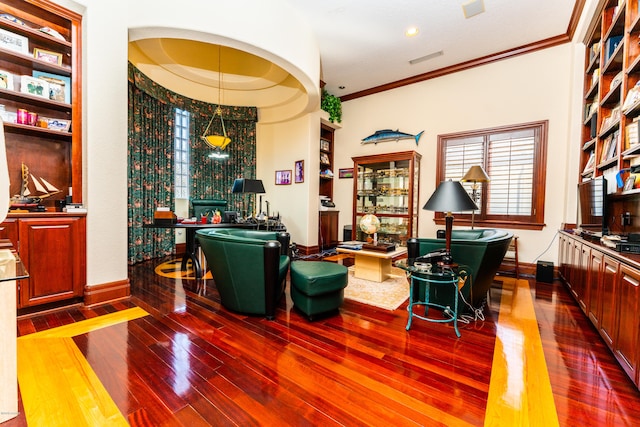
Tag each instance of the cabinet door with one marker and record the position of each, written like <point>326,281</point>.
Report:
<point>328,229</point>
<point>594,282</point>
<point>575,275</point>
<point>626,343</point>
<point>580,288</point>
<point>53,251</point>
<point>608,304</point>
<point>9,230</point>
<point>562,257</point>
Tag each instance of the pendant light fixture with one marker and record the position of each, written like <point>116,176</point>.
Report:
<point>217,142</point>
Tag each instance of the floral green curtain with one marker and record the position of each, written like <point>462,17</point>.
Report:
<point>151,117</point>
<point>213,178</point>
<point>150,174</point>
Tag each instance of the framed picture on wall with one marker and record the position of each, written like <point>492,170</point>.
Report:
<point>345,173</point>
<point>283,177</point>
<point>299,178</point>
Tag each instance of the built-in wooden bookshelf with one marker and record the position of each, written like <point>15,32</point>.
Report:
<point>42,43</point>
<point>611,103</point>
<point>40,78</point>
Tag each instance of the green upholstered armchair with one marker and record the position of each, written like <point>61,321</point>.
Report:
<point>481,250</point>
<point>249,267</point>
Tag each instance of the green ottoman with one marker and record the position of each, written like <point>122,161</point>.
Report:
<point>317,287</point>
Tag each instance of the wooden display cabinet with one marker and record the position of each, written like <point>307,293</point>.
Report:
<point>386,185</point>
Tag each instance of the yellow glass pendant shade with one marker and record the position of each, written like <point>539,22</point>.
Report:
<point>217,141</point>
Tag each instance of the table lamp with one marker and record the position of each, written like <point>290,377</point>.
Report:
<point>450,196</point>
<point>243,185</point>
<point>475,174</point>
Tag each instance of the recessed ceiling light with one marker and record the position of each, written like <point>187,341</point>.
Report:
<point>411,32</point>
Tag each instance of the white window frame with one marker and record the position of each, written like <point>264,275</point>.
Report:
<point>181,154</point>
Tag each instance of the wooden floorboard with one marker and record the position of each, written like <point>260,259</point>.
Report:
<point>191,362</point>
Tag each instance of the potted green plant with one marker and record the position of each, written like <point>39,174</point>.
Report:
<point>332,105</point>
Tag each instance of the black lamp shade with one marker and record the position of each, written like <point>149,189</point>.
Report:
<point>450,196</point>
<point>242,185</point>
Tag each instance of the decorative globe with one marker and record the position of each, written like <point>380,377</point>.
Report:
<point>369,224</point>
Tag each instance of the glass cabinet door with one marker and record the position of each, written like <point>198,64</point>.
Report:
<point>384,187</point>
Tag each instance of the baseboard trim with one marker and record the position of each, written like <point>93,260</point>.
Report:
<point>307,250</point>
<point>106,292</point>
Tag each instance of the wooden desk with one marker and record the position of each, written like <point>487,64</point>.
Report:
<point>373,265</point>
<point>190,247</point>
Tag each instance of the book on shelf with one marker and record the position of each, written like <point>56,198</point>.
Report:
<point>606,145</point>
<point>613,148</point>
<point>590,162</point>
<point>611,45</point>
<point>632,133</point>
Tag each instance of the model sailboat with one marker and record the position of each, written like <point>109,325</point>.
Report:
<point>42,189</point>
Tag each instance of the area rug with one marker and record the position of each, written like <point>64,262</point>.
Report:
<point>388,295</point>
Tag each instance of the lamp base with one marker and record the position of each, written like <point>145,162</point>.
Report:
<point>447,260</point>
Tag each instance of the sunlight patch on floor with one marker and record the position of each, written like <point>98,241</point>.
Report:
<point>520,389</point>
<point>57,385</point>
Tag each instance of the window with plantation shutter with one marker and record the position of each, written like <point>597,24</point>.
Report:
<point>514,157</point>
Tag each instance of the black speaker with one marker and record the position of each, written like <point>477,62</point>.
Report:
<point>346,233</point>
<point>544,272</point>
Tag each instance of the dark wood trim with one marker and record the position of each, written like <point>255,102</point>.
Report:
<point>307,250</point>
<point>505,54</point>
<point>578,8</point>
<point>106,292</point>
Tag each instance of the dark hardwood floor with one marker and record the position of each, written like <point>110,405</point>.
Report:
<point>191,362</point>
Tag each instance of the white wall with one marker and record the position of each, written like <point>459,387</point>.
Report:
<point>279,146</point>
<point>104,134</point>
<point>523,89</point>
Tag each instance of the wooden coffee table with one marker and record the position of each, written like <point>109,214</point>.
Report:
<point>373,265</point>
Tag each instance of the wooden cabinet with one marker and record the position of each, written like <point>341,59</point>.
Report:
<point>626,343</point>
<point>611,100</point>
<point>328,237</point>
<point>608,308</point>
<point>53,250</point>
<point>386,186</point>
<point>609,290</point>
<point>593,287</point>
<point>40,79</point>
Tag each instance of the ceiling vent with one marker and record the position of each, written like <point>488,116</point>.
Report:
<point>473,8</point>
<point>426,57</point>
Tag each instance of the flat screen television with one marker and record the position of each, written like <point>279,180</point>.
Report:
<point>592,207</point>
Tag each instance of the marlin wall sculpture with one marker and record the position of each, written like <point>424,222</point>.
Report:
<point>389,135</point>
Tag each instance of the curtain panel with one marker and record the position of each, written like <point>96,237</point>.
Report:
<point>151,118</point>
<point>150,178</point>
